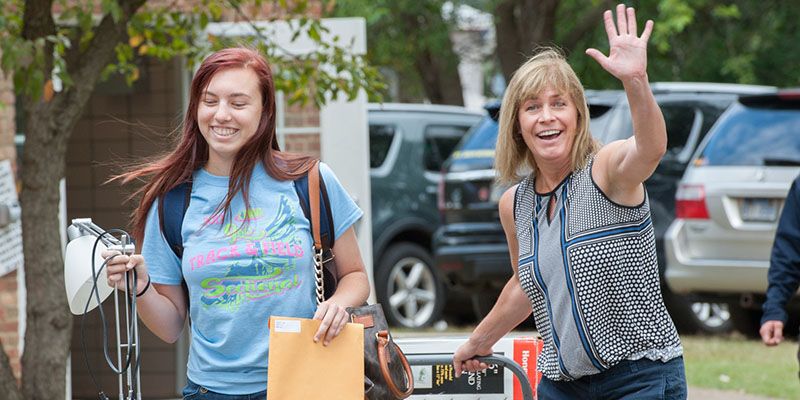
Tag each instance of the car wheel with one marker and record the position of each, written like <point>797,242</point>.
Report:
<point>407,286</point>
<point>483,302</point>
<point>691,316</point>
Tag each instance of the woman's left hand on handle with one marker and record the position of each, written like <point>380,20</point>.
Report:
<point>627,56</point>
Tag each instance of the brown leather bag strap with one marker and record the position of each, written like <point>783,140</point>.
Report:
<point>383,360</point>
<point>313,199</point>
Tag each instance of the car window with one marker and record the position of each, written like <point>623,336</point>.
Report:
<point>440,141</point>
<point>711,113</point>
<point>380,140</point>
<point>482,137</point>
<point>754,136</point>
<point>598,110</point>
<point>679,119</point>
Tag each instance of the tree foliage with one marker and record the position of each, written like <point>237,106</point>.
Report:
<point>740,41</point>
<point>57,51</point>
<point>165,32</point>
<point>411,38</point>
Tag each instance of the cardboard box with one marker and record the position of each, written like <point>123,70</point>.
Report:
<point>437,382</point>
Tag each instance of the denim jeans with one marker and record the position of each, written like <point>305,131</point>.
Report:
<point>640,379</point>
<point>193,391</point>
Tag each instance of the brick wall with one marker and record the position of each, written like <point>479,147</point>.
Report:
<point>119,125</point>
<point>9,320</point>
<point>306,143</point>
<point>9,313</point>
<point>299,116</point>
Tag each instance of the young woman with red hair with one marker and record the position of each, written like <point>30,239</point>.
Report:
<point>247,244</point>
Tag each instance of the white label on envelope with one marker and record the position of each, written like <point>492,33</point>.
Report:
<point>287,325</point>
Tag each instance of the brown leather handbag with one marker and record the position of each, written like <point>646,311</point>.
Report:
<point>386,369</point>
<point>388,375</point>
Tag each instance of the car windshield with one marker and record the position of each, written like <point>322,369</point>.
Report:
<point>755,136</point>
<point>480,142</point>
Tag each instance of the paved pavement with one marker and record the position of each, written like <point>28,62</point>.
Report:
<point>711,394</point>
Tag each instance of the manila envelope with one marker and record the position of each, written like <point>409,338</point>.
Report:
<point>301,369</point>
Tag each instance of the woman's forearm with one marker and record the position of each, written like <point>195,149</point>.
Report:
<point>160,314</point>
<point>512,307</point>
<point>649,127</point>
<point>352,289</point>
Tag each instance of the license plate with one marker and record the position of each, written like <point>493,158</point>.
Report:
<point>760,210</point>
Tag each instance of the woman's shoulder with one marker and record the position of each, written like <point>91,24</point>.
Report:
<point>328,175</point>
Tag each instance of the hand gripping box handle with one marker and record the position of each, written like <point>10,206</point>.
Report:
<point>527,391</point>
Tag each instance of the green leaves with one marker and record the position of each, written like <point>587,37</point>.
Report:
<point>165,32</point>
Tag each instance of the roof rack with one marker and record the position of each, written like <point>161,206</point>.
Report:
<point>711,87</point>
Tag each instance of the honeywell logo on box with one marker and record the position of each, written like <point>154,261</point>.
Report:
<point>526,349</point>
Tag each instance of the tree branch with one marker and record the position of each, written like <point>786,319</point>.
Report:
<point>37,20</point>
<point>506,28</point>
<point>89,66</point>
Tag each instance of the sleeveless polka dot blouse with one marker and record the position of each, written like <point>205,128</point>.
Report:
<point>591,274</point>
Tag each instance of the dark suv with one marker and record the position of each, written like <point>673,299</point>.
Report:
<point>408,144</point>
<point>470,248</point>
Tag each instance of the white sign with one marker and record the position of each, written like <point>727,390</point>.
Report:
<point>10,234</point>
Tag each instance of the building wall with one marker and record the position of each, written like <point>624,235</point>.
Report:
<point>9,320</point>
<point>120,125</point>
<point>9,304</point>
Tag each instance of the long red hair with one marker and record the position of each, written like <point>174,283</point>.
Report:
<point>191,152</point>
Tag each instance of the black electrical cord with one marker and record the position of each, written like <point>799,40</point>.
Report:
<point>133,342</point>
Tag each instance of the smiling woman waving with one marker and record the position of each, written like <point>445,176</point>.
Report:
<point>580,234</point>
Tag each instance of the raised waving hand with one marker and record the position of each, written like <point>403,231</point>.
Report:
<point>627,57</point>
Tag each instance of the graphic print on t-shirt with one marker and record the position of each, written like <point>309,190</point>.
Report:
<point>259,258</point>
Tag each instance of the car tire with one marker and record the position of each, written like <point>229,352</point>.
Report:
<point>693,316</point>
<point>407,286</point>
<point>482,303</point>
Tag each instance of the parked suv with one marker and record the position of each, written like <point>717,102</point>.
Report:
<point>728,202</point>
<point>470,249</point>
<point>408,144</point>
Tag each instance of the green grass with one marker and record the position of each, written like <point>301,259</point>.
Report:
<point>737,364</point>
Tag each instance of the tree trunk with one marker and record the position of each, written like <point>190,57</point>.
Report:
<point>521,26</point>
<point>440,78</point>
<point>49,330</point>
<point>48,333</point>
<point>434,59</point>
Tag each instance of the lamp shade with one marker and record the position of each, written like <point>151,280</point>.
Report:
<point>78,278</point>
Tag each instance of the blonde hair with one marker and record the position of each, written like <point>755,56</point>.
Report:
<point>546,69</point>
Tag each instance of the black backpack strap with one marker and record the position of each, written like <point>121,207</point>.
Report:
<point>326,223</point>
<point>171,210</point>
<point>327,235</point>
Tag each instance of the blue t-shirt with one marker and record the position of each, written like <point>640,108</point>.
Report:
<point>239,275</point>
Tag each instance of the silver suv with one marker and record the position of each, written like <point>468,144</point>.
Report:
<point>728,202</point>
<point>690,110</point>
